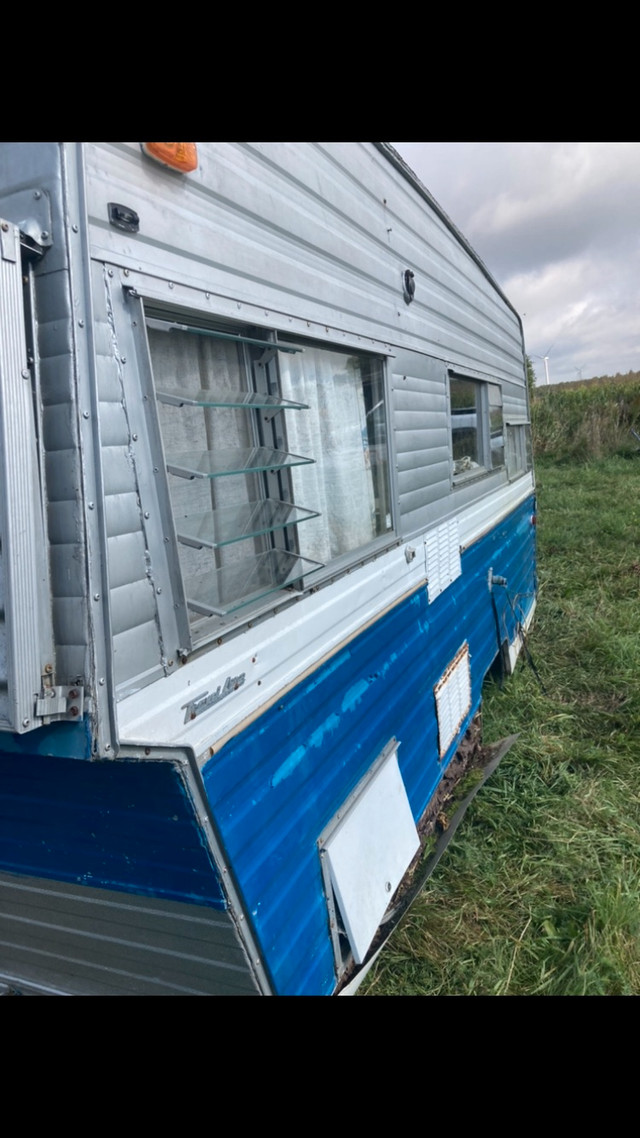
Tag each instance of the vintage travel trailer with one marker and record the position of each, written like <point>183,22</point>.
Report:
<point>266,521</point>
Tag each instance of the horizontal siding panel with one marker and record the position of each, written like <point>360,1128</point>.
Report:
<point>114,428</point>
<point>71,659</point>
<point>5,716</point>
<point>69,617</point>
<point>119,476</point>
<point>421,392</point>
<point>64,476</point>
<point>423,461</point>
<point>59,427</point>
<point>54,336</point>
<point>419,441</point>
<point>421,438</point>
<point>125,465</point>
<point>303,197</point>
<point>103,342</point>
<point>136,650</point>
<point>350,198</point>
<point>54,297</point>
<point>67,570</point>
<point>431,391</point>
<point>426,512</point>
<point>56,374</point>
<point>127,564</point>
<point>109,382</point>
<point>413,500</point>
<point>421,415</point>
<point>84,941</point>
<point>132,605</point>
<point>315,231</point>
<point>514,405</point>
<point>65,524</point>
<point>122,513</point>
<point>423,479</point>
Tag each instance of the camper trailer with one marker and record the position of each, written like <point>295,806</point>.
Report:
<point>266,522</point>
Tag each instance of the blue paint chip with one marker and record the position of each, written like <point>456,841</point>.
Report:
<point>354,695</point>
<point>289,766</point>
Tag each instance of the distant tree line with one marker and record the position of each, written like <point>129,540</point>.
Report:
<point>600,380</point>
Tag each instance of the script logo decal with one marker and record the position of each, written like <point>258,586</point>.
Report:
<point>196,706</point>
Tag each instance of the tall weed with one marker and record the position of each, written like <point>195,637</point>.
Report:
<point>586,422</point>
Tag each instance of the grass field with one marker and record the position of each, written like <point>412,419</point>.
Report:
<point>539,891</point>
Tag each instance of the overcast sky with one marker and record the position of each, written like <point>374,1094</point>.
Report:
<point>558,226</point>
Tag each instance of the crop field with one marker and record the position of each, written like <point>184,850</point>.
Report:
<point>539,891</point>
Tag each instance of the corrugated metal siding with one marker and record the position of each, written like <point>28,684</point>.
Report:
<point>314,232</point>
<point>134,620</point>
<point>73,940</point>
<point>274,787</point>
<point>514,402</point>
<point>277,234</point>
<point>5,714</point>
<point>25,627</point>
<point>4,710</point>
<point>322,232</point>
<point>107,881</point>
<point>421,440</point>
<point>24,168</point>
<point>31,173</point>
<point>126,825</point>
<point>63,476</point>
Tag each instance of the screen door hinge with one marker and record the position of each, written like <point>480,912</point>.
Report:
<point>65,701</point>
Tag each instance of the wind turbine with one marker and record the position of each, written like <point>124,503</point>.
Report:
<point>545,360</point>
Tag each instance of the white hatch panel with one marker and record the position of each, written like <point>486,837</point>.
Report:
<point>369,852</point>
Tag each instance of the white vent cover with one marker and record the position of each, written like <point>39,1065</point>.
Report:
<point>453,698</point>
<point>442,557</point>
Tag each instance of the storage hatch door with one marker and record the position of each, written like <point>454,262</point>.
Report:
<point>369,851</point>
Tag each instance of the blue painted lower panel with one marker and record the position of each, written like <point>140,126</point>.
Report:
<point>131,826</point>
<point>274,787</point>
<point>120,824</point>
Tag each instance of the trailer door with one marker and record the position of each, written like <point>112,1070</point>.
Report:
<point>25,619</point>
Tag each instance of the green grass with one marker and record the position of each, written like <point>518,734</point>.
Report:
<point>539,892</point>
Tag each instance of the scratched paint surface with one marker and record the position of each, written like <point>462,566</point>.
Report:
<point>275,786</point>
<point>118,825</point>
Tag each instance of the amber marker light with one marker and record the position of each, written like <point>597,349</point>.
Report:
<point>182,156</point>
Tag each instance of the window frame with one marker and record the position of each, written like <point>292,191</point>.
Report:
<point>202,628</point>
<point>518,447</point>
<point>484,465</point>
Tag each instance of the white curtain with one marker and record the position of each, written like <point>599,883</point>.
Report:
<point>334,433</point>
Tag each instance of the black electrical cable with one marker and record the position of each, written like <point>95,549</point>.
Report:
<point>520,629</point>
